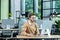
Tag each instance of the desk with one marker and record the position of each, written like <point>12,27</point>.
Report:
<point>9,30</point>
<point>38,37</point>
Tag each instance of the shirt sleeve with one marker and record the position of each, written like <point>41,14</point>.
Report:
<point>23,32</point>
<point>37,29</point>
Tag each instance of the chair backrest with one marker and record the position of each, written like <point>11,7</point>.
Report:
<point>6,22</point>
<point>46,25</point>
<point>21,23</point>
<point>39,22</point>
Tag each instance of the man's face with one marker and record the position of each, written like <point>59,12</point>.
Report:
<point>32,18</point>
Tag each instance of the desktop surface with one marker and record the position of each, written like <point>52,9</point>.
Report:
<point>41,36</point>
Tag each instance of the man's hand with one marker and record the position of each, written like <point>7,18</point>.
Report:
<point>30,35</point>
<point>38,35</point>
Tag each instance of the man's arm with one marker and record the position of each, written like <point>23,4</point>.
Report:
<point>23,33</point>
<point>38,33</point>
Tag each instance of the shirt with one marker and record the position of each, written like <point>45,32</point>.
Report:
<point>30,28</point>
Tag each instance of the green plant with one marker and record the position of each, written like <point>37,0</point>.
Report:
<point>9,15</point>
<point>38,15</point>
<point>55,16</point>
<point>58,26</point>
<point>58,23</point>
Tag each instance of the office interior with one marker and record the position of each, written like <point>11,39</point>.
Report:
<point>14,13</point>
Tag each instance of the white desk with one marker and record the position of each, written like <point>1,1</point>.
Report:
<point>38,37</point>
<point>41,36</point>
<point>9,29</point>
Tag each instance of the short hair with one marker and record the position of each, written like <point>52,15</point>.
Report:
<point>31,14</point>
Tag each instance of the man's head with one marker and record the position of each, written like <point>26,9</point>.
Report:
<point>32,17</point>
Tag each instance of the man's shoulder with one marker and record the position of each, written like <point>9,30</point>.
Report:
<point>35,23</point>
<point>26,23</point>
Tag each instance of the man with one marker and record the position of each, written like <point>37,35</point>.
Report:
<point>30,28</point>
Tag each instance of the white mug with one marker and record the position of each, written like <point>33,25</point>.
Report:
<point>48,32</point>
<point>8,26</point>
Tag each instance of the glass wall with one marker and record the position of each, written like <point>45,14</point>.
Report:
<point>30,6</point>
<point>50,6</point>
<point>57,6</point>
<point>39,7</point>
<point>46,8</point>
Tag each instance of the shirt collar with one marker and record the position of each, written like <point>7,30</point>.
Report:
<point>29,22</point>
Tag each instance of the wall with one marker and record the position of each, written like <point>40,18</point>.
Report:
<point>4,9</point>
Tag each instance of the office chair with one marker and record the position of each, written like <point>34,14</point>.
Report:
<point>6,22</point>
<point>21,23</point>
<point>46,26</point>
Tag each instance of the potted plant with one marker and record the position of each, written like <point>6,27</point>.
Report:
<point>58,26</point>
<point>9,15</point>
<point>58,23</point>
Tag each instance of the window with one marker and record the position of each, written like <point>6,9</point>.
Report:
<point>46,0</point>
<point>9,6</point>
<point>46,5</point>
<point>50,6</point>
<point>9,14</point>
<point>56,6</point>
<point>46,8</point>
<point>46,12</point>
<point>30,6</point>
<point>39,7</point>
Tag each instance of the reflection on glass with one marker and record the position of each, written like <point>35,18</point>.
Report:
<point>57,10</point>
<point>29,5</point>
<point>46,0</point>
<point>56,5</point>
<point>56,0</point>
<point>46,5</point>
<point>39,6</point>
<point>46,12</point>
